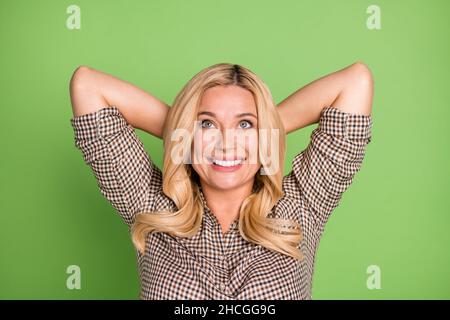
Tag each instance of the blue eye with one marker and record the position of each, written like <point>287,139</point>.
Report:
<point>203,122</point>
<point>249,122</point>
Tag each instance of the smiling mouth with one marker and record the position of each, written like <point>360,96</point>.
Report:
<point>226,163</point>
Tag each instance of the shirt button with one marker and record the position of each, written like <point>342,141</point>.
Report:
<point>222,286</point>
<point>222,257</point>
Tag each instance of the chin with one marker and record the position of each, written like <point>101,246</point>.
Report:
<point>225,187</point>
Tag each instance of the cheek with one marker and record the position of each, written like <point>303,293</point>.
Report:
<point>251,147</point>
<point>202,146</point>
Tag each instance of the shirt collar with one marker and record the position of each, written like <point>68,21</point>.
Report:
<point>209,216</point>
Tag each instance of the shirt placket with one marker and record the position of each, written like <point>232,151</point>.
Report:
<point>223,272</point>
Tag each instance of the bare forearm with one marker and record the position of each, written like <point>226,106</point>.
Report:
<point>304,106</point>
<point>92,90</point>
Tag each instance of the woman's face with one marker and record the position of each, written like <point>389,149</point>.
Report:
<point>226,129</point>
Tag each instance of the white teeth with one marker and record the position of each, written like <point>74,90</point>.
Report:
<point>228,163</point>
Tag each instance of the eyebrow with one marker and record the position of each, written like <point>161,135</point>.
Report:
<point>212,114</point>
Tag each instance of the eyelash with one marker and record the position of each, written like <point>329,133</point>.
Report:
<point>203,121</point>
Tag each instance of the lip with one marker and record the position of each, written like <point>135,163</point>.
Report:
<point>225,169</point>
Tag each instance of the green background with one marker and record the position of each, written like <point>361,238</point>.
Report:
<point>395,215</point>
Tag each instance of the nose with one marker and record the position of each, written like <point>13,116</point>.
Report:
<point>227,144</point>
<point>226,140</point>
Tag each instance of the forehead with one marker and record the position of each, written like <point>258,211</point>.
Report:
<point>227,99</point>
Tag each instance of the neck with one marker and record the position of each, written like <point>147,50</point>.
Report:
<point>225,204</point>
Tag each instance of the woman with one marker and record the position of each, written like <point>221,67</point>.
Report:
<point>213,224</point>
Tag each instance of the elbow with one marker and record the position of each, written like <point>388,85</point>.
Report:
<point>83,90</point>
<point>358,91</point>
<point>361,74</point>
<point>80,77</point>
<point>82,68</point>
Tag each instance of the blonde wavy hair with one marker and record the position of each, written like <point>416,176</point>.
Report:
<point>181,182</point>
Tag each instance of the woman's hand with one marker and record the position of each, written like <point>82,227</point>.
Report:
<point>349,89</point>
<point>92,90</point>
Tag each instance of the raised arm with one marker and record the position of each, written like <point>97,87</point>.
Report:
<point>106,112</point>
<point>341,103</point>
<point>349,90</point>
<point>91,90</point>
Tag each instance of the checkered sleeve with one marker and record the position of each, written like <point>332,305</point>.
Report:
<point>117,157</point>
<point>326,168</point>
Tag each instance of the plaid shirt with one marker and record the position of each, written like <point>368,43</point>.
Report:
<point>211,265</point>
